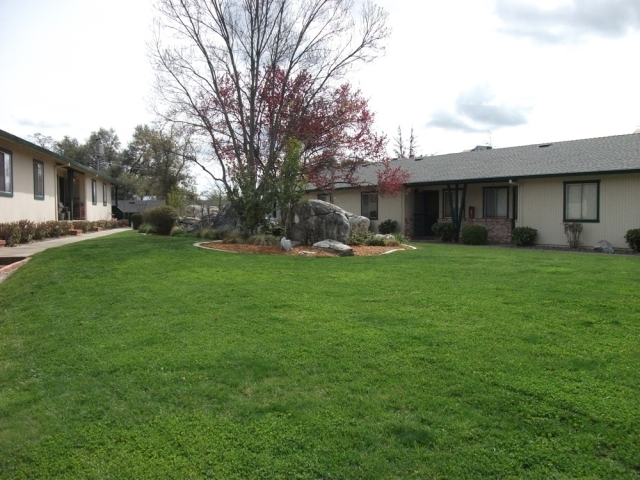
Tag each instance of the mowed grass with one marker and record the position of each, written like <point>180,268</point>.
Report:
<point>137,356</point>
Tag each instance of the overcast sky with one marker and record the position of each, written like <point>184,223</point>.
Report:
<point>461,72</point>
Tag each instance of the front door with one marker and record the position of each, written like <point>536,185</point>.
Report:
<point>432,210</point>
<point>426,207</point>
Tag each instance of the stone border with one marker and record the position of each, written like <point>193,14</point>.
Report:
<point>7,270</point>
<point>200,245</point>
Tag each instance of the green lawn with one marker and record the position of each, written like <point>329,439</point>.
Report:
<point>135,356</point>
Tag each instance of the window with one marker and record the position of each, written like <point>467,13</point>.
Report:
<point>38,180</point>
<point>104,194</point>
<point>496,202</point>
<point>446,206</point>
<point>94,192</point>
<point>370,205</point>
<point>6,174</point>
<point>325,197</point>
<point>581,201</point>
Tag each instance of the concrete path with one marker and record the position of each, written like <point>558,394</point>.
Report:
<point>32,248</point>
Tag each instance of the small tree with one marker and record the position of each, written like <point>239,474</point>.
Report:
<point>291,183</point>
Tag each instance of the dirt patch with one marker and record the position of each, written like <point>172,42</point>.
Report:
<point>358,250</point>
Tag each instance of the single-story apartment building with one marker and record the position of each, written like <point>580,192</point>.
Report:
<point>40,185</point>
<point>595,182</point>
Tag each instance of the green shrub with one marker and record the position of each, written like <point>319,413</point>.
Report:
<point>177,232</point>
<point>358,237</point>
<point>388,226</point>
<point>399,237</point>
<point>234,236</point>
<point>633,239</point>
<point>523,236</point>
<point>573,231</point>
<point>162,218</point>
<point>474,235</point>
<point>41,232</point>
<point>10,232</point>
<point>136,220</point>
<point>445,231</point>
<point>56,229</point>
<point>122,223</point>
<point>392,242</point>
<point>27,230</point>
<point>146,228</point>
<point>82,225</point>
<point>374,241</point>
<point>262,239</point>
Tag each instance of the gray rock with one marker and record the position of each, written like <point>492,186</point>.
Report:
<point>603,247</point>
<point>318,220</point>
<point>358,223</point>
<point>332,246</point>
<point>226,219</point>
<point>285,244</point>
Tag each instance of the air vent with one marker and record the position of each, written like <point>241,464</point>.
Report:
<point>545,145</point>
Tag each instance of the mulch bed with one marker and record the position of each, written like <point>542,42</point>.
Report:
<point>358,250</point>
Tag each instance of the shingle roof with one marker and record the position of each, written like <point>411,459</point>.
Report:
<point>619,153</point>
<point>25,143</point>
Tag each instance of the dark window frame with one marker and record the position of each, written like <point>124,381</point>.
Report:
<point>9,192</point>
<point>484,202</point>
<point>38,182</point>
<point>104,194</point>
<point>326,195</point>
<point>564,201</point>
<point>94,192</point>
<point>515,203</point>
<point>368,214</point>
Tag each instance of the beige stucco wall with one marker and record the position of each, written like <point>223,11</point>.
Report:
<point>541,207</point>
<point>23,206</point>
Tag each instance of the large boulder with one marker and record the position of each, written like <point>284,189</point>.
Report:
<point>332,246</point>
<point>318,220</point>
<point>359,224</point>
<point>226,219</point>
<point>603,247</point>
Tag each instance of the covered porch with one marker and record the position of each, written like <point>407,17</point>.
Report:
<point>71,194</point>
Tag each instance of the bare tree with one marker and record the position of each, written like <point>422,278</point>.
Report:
<point>413,144</point>
<point>247,75</point>
<point>399,149</point>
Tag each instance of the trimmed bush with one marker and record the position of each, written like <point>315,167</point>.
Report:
<point>474,235</point>
<point>27,230</point>
<point>122,223</point>
<point>400,237</point>
<point>445,231</point>
<point>523,236</point>
<point>388,226</point>
<point>136,220</point>
<point>162,218</point>
<point>41,232</point>
<point>82,225</point>
<point>10,232</point>
<point>633,239</point>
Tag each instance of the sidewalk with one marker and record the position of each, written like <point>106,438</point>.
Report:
<point>30,249</point>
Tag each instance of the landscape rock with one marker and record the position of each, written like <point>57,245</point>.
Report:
<point>603,247</point>
<point>333,246</point>
<point>318,220</point>
<point>226,219</point>
<point>286,244</point>
<point>359,224</point>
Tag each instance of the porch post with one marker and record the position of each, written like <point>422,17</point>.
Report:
<point>70,182</point>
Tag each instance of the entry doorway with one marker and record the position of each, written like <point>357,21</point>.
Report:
<point>426,209</point>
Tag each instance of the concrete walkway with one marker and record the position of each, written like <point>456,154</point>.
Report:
<point>29,249</point>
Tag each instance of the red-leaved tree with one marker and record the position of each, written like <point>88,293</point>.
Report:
<point>248,76</point>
